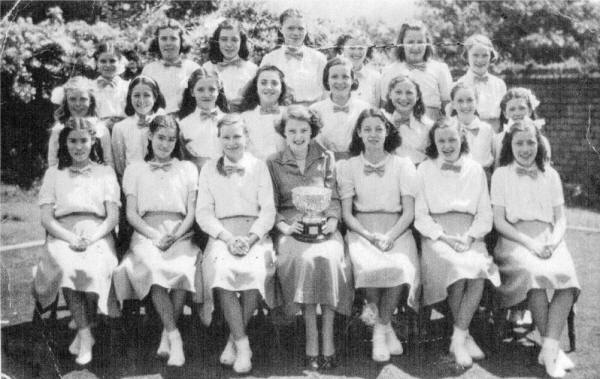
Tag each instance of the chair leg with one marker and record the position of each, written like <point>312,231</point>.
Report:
<point>571,329</point>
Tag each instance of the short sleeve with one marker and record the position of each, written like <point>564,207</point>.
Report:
<point>345,180</point>
<point>556,190</point>
<point>130,179</point>
<point>409,183</point>
<point>498,195</point>
<point>47,194</point>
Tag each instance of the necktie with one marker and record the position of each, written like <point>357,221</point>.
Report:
<point>103,82</point>
<point>160,166</point>
<point>85,171</point>
<point>269,110</point>
<point>234,62</point>
<point>208,114</point>
<point>532,173</point>
<point>295,54</point>
<point>421,66</point>
<point>450,167</point>
<point>368,170</point>
<point>230,170</point>
<point>177,63</point>
<point>341,108</point>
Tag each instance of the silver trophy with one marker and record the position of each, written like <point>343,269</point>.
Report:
<point>311,201</point>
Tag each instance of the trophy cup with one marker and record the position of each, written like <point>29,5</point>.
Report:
<point>311,201</point>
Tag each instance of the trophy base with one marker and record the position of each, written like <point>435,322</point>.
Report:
<point>312,231</point>
<point>308,238</point>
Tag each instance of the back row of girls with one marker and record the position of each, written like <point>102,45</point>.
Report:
<point>379,189</point>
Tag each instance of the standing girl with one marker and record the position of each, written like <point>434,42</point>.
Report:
<point>76,100</point>
<point>171,71</point>
<point>110,89</point>
<point>414,58</point>
<point>161,199</point>
<point>357,48</point>
<point>531,252</point>
<point>302,65</point>
<point>79,202</point>
<point>453,215</point>
<point>262,101</point>
<point>340,110</point>
<point>378,191</point>
<point>405,109</point>
<point>310,274</point>
<point>130,136</point>
<point>228,55</point>
<point>235,207</point>
<point>480,53</point>
<point>202,107</point>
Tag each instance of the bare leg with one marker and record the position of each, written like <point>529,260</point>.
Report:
<point>560,306</point>
<point>327,330</point>
<point>164,307</point>
<point>310,324</point>
<point>388,303</point>
<point>470,303</point>
<point>76,302</point>
<point>232,311</point>
<point>250,300</point>
<point>178,300</point>
<point>456,292</point>
<point>538,304</point>
<point>372,295</point>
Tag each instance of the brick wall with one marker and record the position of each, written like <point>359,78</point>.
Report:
<point>567,104</point>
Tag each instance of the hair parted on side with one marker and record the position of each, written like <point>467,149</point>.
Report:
<point>392,138</point>
<point>300,113</point>
<point>159,122</point>
<point>83,124</point>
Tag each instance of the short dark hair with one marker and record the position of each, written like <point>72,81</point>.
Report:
<point>445,122</point>
<point>184,46</point>
<point>457,87</point>
<point>418,109</point>
<point>214,51</point>
<point>188,101</point>
<point>516,93</point>
<point>415,25</point>
<point>159,101</point>
<point>338,61</point>
<point>392,139</point>
<point>506,153</point>
<point>250,97</point>
<point>64,158</point>
<point>301,113</point>
<point>164,121</point>
<point>344,38</point>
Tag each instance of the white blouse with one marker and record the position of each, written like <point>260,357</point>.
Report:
<point>264,139</point>
<point>249,194</point>
<point>70,191</point>
<point>489,93</point>
<point>525,198</point>
<point>443,191</point>
<point>234,77</point>
<point>374,193</point>
<point>369,86</point>
<point>110,101</point>
<point>102,134</point>
<point>336,133</point>
<point>171,80</point>
<point>480,137</point>
<point>305,76</point>
<point>129,142</point>
<point>200,135</point>
<point>161,189</point>
<point>415,137</point>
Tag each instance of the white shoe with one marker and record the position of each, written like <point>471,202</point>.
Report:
<point>176,356</point>
<point>163,346</point>
<point>369,314</point>
<point>380,349</point>
<point>458,348</point>
<point>391,341</point>
<point>473,349</point>
<point>86,342</point>
<point>72,324</point>
<point>242,363</point>
<point>74,346</point>
<point>564,361</point>
<point>549,356</point>
<point>227,357</point>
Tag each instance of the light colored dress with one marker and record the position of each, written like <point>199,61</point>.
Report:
<point>111,98</point>
<point>241,204</point>
<point>378,206</point>
<point>162,196</point>
<point>369,86</point>
<point>264,140</point>
<point>457,203</point>
<point>415,136</point>
<point>490,91</point>
<point>171,80</point>
<point>235,77</point>
<point>480,137</point>
<point>309,273</point>
<point>199,135</point>
<point>79,202</point>
<point>528,205</point>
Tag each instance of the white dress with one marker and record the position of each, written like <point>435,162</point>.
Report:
<point>171,80</point>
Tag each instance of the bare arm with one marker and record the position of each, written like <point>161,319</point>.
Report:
<point>55,228</point>
<point>510,232</point>
<point>188,221</point>
<point>407,217</point>
<point>352,222</point>
<point>137,222</point>
<point>109,223</point>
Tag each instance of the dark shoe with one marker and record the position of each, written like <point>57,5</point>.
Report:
<point>311,363</point>
<point>329,362</point>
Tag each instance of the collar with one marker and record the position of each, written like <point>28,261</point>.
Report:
<point>459,162</point>
<point>198,111</point>
<point>315,152</point>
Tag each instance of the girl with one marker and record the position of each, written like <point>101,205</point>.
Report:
<point>414,58</point>
<point>133,67</point>
<point>110,89</point>
<point>161,199</point>
<point>228,55</point>
<point>453,214</point>
<point>79,202</point>
<point>130,136</point>
<point>479,133</point>
<point>302,66</point>
<point>480,53</point>
<point>405,109</point>
<point>340,111</point>
<point>172,71</point>
<point>378,191</point>
<point>300,265</point>
<point>358,49</point>
<point>263,100</point>
<point>517,104</point>
<point>531,252</point>
<point>202,107</point>
<point>235,207</point>
<point>76,99</point>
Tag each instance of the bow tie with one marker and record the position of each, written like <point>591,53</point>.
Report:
<point>103,82</point>
<point>230,170</point>
<point>341,108</point>
<point>480,78</point>
<point>473,131</point>
<point>450,167</point>
<point>208,114</point>
<point>532,173</point>
<point>401,121</point>
<point>177,63</point>
<point>85,171</point>
<point>269,110</point>
<point>160,166</point>
<point>295,54</point>
<point>421,66</point>
<point>368,170</point>
<point>234,62</point>
<point>143,122</point>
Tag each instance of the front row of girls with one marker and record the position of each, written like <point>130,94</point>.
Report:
<point>239,198</point>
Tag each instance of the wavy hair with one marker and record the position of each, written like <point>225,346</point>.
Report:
<point>419,107</point>
<point>188,101</point>
<point>300,113</point>
<point>392,138</point>
<point>214,51</point>
<point>251,98</point>
<point>86,124</point>
<point>159,99</point>
<point>76,83</point>
<point>506,153</point>
<point>445,122</point>
<point>414,25</point>
<point>164,121</point>
<point>184,46</point>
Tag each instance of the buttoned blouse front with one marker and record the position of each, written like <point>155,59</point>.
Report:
<point>129,142</point>
<point>319,171</point>
<point>250,194</point>
<point>200,135</point>
<point>171,80</point>
<point>264,139</point>
<point>234,77</point>
<point>304,76</point>
<point>374,193</point>
<point>336,133</point>
<point>110,101</point>
<point>525,198</point>
<point>489,93</point>
<point>415,137</point>
<point>160,190</point>
<point>443,191</point>
<point>85,192</point>
<point>480,137</point>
